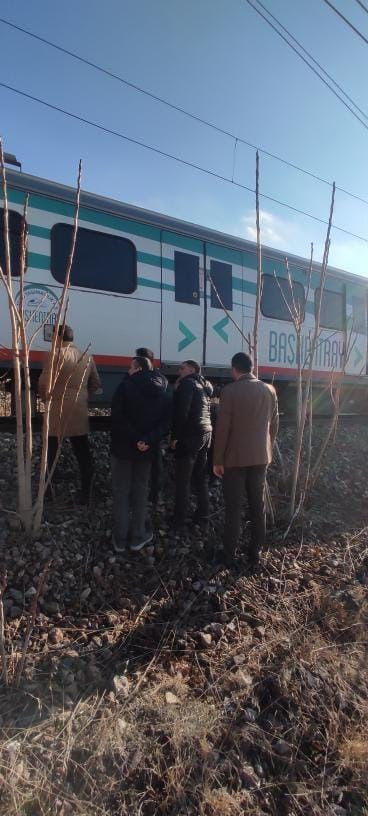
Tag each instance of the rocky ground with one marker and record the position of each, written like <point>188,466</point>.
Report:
<point>154,685</point>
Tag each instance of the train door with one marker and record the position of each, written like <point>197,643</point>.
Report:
<point>182,298</point>
<point>224,274</point>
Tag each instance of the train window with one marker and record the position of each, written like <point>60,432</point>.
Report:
<point>15,235</point>
<point>278,298</point>
<point>186,278</point>
<point>359,319</point>
<point>221,274</point>
<point>332,309</point>
<point>101,261</point>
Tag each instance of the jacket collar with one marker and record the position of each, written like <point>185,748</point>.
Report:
<point>247,377</point>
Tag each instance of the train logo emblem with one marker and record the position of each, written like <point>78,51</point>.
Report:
<point>40,303</point>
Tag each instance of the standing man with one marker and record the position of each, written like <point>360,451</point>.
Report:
<point>247,426</point>
<point>191,439</point>
<point>157,464</point>
<point>138,414</point>
<point>77,378</point>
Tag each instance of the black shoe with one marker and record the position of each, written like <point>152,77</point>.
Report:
<point>223,559</point>
<point>177,525</point>
<point>199,519</point>
<point>254,565</point>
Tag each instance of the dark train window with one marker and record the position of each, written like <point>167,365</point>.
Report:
<point>359,314</point>
<point>332,309</point>
<point>101,261</point>
<point>278,298</point>
<point>15,235</point>
<point>221,274</point>
<point>186,278</point>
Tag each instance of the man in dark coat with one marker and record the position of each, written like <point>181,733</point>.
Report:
<point>138,416</point>
<point>157,459</point>
<point>191,439</point>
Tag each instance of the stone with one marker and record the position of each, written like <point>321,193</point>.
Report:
<point>31,592</point>
<point>249,777</point>
<point>56,635</point>
<point>238,659</point>
<point>197,586</point>
<point>122,725</point>
<point>171,698</point>
<point>205,639</point>
<point>85,594</point>
<point>250,715</point>
<point>282,748</point>
<point>15,612</point>
<point>260,631</point>
<point>121,685</point>
<point>16,595</point>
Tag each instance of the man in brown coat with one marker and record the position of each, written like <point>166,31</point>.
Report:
<point>246,429</point>
<point>77,378</point>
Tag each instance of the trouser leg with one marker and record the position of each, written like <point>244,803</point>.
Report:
<point>121,471</point>
<point>141,472</point>
<point>183,474</point>
<point>234,489</point>
<point>82,452</point>
<point>156,474</point>
<point>256,480</point>
<point>200,479</point>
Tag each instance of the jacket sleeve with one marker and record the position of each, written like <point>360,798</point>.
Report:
<point>161,429</point>
<point>274,424</point>
<point>182,404</point>
<point>94,382</point>
<point>223,427</point>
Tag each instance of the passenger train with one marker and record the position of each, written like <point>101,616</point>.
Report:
<point>144,279</point>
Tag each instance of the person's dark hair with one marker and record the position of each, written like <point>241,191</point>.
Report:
<point>193,364</point>
<point>145,352</point>
<point>143,362</point>
<point>242,362</point>
<point>66,333</point>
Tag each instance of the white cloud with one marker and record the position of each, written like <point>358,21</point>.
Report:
<point>275,231</point>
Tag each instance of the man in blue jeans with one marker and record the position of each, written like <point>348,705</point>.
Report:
<point>138,415</point>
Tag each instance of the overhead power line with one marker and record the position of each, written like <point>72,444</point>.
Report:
<point>178,159</point>
<point>348,22</point>
<point>311,57</point>
<point>365,8</point>
<point>191,115</point>
<point>325,82</point>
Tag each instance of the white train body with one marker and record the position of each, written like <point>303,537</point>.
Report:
<point>144,279</point>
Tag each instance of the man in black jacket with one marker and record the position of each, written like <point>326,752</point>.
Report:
<point>191,439</point>
<point>138,416</point>
<point>157,462</point>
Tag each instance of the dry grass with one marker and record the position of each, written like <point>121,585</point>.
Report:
<point>200,754</point>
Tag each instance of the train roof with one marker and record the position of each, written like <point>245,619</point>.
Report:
<point>53,189</point>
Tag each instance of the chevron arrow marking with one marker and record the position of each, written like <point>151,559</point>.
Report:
<point>219,328</point>
<point>188,336</point>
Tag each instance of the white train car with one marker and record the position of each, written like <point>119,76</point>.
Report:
<point>144,279</point>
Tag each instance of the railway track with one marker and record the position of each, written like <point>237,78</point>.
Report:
<point>100,423</point>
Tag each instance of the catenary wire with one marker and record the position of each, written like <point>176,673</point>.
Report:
<point>178,159</point>
<point>365,8</point>
<point>310,56</point>
<point>345,19</point>
<point>349,108</point>
<point>189,114</point>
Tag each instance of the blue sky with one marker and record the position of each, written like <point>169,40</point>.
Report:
<point>218,59</point>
